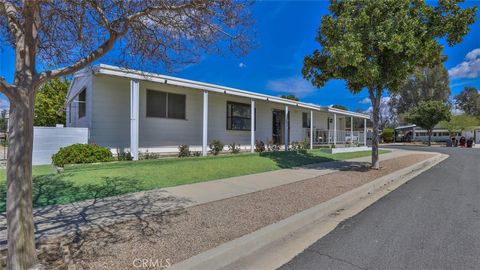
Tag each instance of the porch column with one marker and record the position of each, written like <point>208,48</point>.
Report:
<point>335,129</point>
<point>351,131</point>
<point>134,112</point>
<point>365,132</point>
<point>205,124</point>
<point>252,126</point>
<point>311,129</point>
<point>286,128</point>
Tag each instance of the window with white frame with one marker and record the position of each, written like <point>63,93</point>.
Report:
<point>306,120</point>
<point>165,105</point>
<point>238,116</point>
<point>82,103</point>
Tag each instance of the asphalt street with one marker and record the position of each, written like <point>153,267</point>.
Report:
<point>431,222</point>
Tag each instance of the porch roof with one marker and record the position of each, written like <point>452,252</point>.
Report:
<point>159,78</point>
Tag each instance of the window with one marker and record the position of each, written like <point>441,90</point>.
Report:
<point>306,120</point>
<point>82,103</point>
<point>238,116</point>
<point>165,105</point>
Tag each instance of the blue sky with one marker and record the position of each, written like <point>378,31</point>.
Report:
<point>286,32</point>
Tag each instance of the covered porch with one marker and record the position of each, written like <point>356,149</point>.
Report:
<point>319,126</point>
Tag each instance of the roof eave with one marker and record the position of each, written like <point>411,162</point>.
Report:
<point>148,76</point>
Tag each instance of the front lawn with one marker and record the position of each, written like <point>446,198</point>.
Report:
<point>88,181</point>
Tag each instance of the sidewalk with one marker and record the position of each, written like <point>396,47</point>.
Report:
<point>58,220</point>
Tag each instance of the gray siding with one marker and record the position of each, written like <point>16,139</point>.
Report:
<point>72,119</point>
<point>110,124</point>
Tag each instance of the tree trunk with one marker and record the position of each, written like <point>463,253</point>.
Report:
<point>21,238</point>
<point>375,96</point>
<point>429,138</point>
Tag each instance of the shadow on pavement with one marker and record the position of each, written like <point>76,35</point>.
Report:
<point>100,208</point>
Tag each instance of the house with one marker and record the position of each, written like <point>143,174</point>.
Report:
<point>409,133</point>
<point>131,110</point>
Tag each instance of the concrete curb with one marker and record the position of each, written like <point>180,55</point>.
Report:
<point>234,254</point>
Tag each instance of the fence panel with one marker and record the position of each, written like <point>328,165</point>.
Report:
<point>48,140</point>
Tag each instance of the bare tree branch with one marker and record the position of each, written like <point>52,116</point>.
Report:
<point>107,45</point>
<point>102,14</point>
<point>11,12</point>
<point>91,57</point>
<point>165,31</point>
<point>5,87</point>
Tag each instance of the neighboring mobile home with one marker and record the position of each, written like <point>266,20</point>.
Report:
<point>129,110</point>
<point>410,133</point>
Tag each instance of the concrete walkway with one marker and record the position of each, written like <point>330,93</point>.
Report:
<point>70,219</point>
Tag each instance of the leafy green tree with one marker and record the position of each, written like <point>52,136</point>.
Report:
<point>469,101</point>
<point>425,84</point>
<point>427,114</point>
<point>341,107</point>
<point>291,97</point>
<point>377,44</point>
<point>460,123</point>
<point>52,39</point>
<point>50,103</point>
<point>3,120</point>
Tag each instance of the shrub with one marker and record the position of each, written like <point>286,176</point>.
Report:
<point>304,145</point>
<point>81,153</point>
<point>387,135</point>
<point>124,156</point>
<point>233,148</point>
<point>216,147</point>
<point>148,155</point>
<point>259,146</point>
<point>183,150</point>
<point>273,147</point>
<point>295,146</point>
<point>196,153</point>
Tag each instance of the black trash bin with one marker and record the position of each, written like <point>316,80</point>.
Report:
<point>470,143</point>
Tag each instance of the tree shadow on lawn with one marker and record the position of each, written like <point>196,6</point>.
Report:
<point>52,189</point>
<point>290,159</point>
<point>293,159</point>
<point>95,208</point>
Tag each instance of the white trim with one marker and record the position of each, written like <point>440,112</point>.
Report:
<point>205,124</point>
<point>252,126</point>
<point>311,129</point>
<point>348,113</point>
<point>365,132</point>
<point>334,129</point>
<point>351,125</point>
<point>286,128</point>
<point>147,76</point>
<point>134,115</point>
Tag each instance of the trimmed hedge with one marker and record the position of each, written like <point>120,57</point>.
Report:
<point>388,134</point>
<point>81,153</point>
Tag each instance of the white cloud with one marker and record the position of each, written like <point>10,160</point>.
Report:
<point>4,104</point>
<point>456,111</point>
<point>472,55</point>
<point>470,68</point>
<point>384,107</point>
<point>365,101</point>
<point>242,65</point>
<point>295,85</point>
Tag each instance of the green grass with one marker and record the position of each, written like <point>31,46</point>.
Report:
<point>87,181</point>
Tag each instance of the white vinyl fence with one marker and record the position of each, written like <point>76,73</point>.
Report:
<point>48,140</point>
